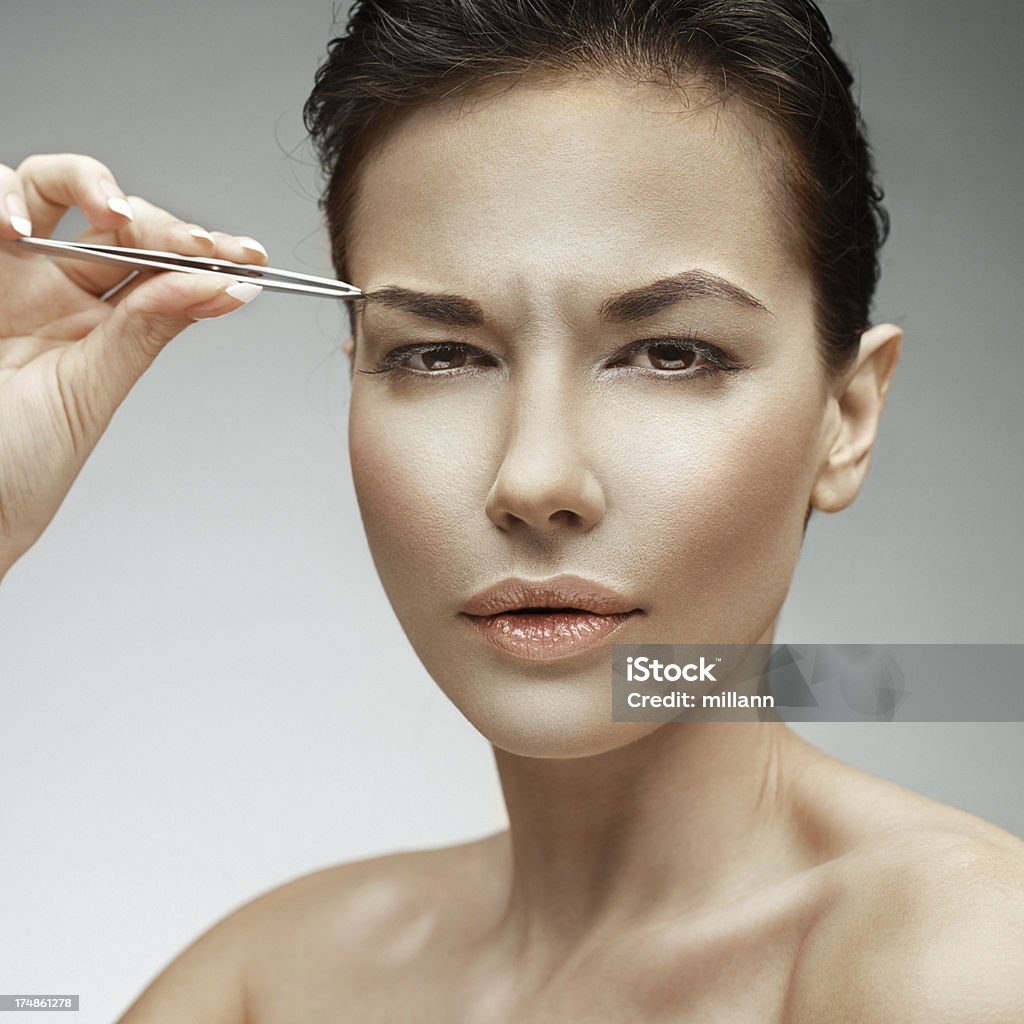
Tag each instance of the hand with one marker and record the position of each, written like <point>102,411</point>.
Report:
<point>67,358</point>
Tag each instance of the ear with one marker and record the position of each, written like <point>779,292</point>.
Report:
<point>856,413</point>
<point>348,346</point>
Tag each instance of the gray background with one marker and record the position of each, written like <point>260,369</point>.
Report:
<point>203,690</point>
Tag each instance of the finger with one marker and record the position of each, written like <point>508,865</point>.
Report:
<point>14,217</point>
<point>155,228</point>
<point>74,326</point>
<point>240,248</point>
<point>54,182</point>
<point>152,228</point>
<point>100,370</point>
<point>254,251</point>
<point>16,352</point>
<point>150,224</point>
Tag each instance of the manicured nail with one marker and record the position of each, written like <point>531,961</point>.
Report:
<point>200,233</point>
<point>119,205</point>
<point>252,245</point>
<point>18,214</point>
<point>244,292</point>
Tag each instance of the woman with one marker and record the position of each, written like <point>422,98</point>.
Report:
<point>619,260</point>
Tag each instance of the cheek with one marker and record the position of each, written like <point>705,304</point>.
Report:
<point>744,465</point>
<point>416,482</point>
<point>722,492</point>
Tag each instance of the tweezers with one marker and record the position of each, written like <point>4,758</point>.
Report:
<point>150,260</point>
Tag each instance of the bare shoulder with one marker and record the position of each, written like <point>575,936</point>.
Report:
<point>203,984</point>
<point>924,919</point>
<point>365,898</point>
<point>350,927</point>
<point>330,923</point>
<point>339,933</point>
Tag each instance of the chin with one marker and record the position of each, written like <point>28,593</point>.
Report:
<point>532,710</point>
<point>559,745</point>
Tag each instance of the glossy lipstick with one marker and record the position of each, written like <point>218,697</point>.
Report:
<point>544,620</point>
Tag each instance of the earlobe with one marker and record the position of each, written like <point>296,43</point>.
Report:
<point>859,408</point>
<point>348,347</point>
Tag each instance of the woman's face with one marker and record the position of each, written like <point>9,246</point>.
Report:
<point>575,424</point>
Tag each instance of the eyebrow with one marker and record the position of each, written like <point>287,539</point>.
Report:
<point>440,307</point>
<point>629,307</point>
<point>653,298</point>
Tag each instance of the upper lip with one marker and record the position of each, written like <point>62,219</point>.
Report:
<point>564,591</point>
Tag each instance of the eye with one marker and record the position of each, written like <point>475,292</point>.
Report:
<point>432,359</point>
<point>660,357</point>
<point>444,357</point>
<point>668,355</point>
<point>677,357</point>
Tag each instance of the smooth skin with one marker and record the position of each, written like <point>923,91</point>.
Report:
<point>704,873</point>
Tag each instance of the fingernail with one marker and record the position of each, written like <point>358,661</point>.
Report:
<point>253,245</point>
<point>243,291</point>
<point>18,214</point>
<point>200,233</point>
<point>119,205</point>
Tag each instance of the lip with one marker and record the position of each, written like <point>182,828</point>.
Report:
<point>578,615</point>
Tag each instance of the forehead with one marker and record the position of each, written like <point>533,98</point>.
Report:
<point>552,187</point>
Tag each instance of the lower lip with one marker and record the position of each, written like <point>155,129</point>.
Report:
<point>548,636</point>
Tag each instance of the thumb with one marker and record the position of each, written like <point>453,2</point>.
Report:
<point>108,361</point>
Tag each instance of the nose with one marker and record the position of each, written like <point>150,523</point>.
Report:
<point>545,481</point>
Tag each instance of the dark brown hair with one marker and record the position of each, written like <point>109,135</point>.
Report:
<point>775,55</point>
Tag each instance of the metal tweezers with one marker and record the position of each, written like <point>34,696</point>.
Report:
<point>150,260</point>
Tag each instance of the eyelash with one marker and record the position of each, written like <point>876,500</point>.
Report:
<point>717,361</point>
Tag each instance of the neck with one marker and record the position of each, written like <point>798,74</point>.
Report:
<point>690,815</point>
